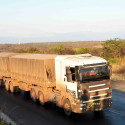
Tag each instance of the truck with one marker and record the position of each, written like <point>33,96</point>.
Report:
<point>76,83</point>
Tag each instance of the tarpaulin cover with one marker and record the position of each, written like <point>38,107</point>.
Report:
<point>33,68</point>
<point>4,64</point>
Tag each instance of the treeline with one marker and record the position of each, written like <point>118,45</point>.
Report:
<point>112,50</point>
<point>61,50</point>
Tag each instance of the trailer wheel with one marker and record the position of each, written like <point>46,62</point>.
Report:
<point>41,98</point>
<point>7,86</point>
<point>67,107</point>
<point>12,88</point>
<point>22,93</point>
<point>33,95</point>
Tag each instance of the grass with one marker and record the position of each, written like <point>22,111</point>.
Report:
<point>78,47</point>
<point>2,122</point>
<point>118,68</point>
<point>48,45</point>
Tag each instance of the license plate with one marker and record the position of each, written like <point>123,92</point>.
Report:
<point>98,109</point>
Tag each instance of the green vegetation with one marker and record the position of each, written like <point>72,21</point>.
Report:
<point>30,50</point>
<point>46,46</point>
<point>83,50</point>
<point>113,60</point>
<point>2,122</point>
<point>112,50</point>
<point>62,50</point>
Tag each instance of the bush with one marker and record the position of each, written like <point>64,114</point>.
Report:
<point>113,60</point>
<point>83,50</point>
<point>97,52</point>
<point>118,68</point>
<point>58,49</point>
<point>30,50</point>
<point>2,122</point>
<point>114,49</point>
<point>19,51</point>
<point>62,50</point>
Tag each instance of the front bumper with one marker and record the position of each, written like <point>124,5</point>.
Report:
<point>92,105</point>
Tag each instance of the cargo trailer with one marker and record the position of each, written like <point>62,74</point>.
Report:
<point>77,83</point>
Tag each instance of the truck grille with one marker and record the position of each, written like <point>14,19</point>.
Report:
<point>97,91</point>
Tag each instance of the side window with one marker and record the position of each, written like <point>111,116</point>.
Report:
<point>70,74</point>
<point>73,73</point>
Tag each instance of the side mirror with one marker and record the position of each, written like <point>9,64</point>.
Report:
<point>68,74</point>
<point>110,68</point>
<point>65,78</point>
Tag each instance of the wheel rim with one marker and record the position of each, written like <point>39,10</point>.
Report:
<point>11,87</point>
<point>41,99</point>
<point>67,109</point>
<point>7,86</point>
<point>33,95</point>
<point>67,106</point>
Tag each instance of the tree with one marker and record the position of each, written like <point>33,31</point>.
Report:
<point>62,50</point>
<point>114,48</point>
<point>83,50</point>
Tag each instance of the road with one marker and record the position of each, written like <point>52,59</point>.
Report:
<point>25,112</point>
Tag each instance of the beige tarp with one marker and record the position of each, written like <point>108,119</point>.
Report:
<point>33,68</point>
<point>4,64</point>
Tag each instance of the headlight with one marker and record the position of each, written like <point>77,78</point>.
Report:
<point>79,90</point>
<point>82,104</point>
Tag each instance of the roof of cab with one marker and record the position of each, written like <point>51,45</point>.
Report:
<point>82,59</point>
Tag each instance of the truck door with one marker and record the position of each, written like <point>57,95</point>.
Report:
<point>71,84</point>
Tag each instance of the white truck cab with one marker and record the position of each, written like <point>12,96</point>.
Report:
<point>87,77</point>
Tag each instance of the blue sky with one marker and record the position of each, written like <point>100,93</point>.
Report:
<point>61,20</point>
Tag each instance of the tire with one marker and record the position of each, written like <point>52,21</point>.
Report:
<point>41,99</point>
<point>98,112</point>
<point>7,86</point>
<point>25,94</point>
<point>11,87</point>
<point>67,107</point>
<point>33,95</point>
<point>22,92</point>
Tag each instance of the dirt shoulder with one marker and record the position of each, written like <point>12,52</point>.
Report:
<point>118,85</point>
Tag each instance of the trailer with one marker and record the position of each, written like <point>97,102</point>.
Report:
<point>77,83</point>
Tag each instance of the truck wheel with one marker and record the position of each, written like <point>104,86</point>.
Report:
<point>33,95</point>
<point>7,87</point>
<point>22,92</point>
<point>67,107</point>
<point>41,98</point>
<point>11,87</point>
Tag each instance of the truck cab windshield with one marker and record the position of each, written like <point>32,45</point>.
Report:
<point>94,74</point>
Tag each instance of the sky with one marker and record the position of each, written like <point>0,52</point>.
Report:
<point>61,20</point>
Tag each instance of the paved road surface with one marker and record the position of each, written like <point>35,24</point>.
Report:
<point>28,113</point>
